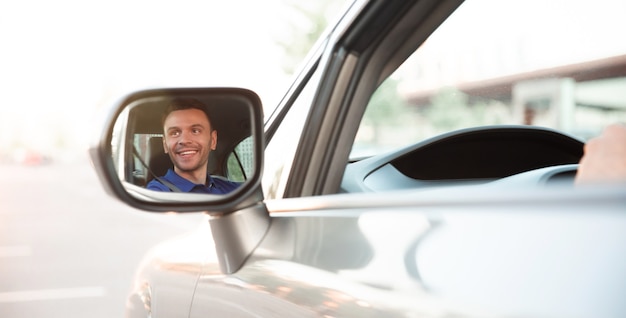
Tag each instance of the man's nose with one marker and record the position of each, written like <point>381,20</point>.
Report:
<point>184,138</point>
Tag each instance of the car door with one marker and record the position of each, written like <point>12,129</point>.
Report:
<point>309,138</point>
<point>468,252</point>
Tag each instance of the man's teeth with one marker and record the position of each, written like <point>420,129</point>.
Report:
<point>190,152</point>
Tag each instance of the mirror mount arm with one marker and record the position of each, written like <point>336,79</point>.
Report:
<point>237,235</point>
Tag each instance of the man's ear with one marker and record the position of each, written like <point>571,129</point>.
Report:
<point>213,139</point>
<point>164,145</point>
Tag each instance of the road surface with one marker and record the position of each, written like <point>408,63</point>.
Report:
<point>67,249</point>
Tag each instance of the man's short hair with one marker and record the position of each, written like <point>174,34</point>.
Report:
<point>183,103</point>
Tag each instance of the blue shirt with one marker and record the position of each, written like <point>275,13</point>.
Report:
<point>213,185</point>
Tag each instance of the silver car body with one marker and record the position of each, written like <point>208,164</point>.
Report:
<point>489,250</point>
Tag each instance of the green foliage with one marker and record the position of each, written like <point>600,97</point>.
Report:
<point>386,107</point>
<point>450,109</point>
<point>234,171</point>
<point>307,21</point>
<point>241,157</point>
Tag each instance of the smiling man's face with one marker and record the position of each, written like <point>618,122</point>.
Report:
<point>189,138</point>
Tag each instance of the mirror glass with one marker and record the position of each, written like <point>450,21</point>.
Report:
<point>196,141</point>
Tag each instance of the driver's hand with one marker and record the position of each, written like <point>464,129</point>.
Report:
<point>605,157</point>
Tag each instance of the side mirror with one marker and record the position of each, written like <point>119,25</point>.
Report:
<point>132,150</point>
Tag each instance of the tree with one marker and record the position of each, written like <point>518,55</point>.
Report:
<point>386,109</point>
<point>307,20</point>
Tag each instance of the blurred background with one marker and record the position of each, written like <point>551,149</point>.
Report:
<point>62,63</point>
<point>67,249</point>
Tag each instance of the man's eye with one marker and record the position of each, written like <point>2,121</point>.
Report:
<point>195,131</point>
<point>174,133</point>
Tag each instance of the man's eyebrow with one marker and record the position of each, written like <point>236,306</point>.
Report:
<point>192,126</point>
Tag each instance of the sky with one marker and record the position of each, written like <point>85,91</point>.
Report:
<point>63,62</point>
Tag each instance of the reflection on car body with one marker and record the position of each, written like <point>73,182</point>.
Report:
<point>401,175</point>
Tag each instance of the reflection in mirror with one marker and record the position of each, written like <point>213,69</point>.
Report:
<point>191,143</point>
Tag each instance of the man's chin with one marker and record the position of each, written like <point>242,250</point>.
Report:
<point>188,167</point>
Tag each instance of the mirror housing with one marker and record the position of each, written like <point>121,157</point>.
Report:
<point>119,150</point>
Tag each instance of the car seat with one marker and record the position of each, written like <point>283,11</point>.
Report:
<point>158,160</point>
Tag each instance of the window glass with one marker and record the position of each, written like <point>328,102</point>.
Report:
<point>241,161</point>
<point>558,64</point>
<point>281,150</point>
<point>141,157</point>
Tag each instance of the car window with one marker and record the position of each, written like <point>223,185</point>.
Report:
<point>141,156</point>
<point>557,64</point>
<point>281,149</point>
<point>241,161</point>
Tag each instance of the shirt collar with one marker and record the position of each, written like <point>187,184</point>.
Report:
<point>183,184</point>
